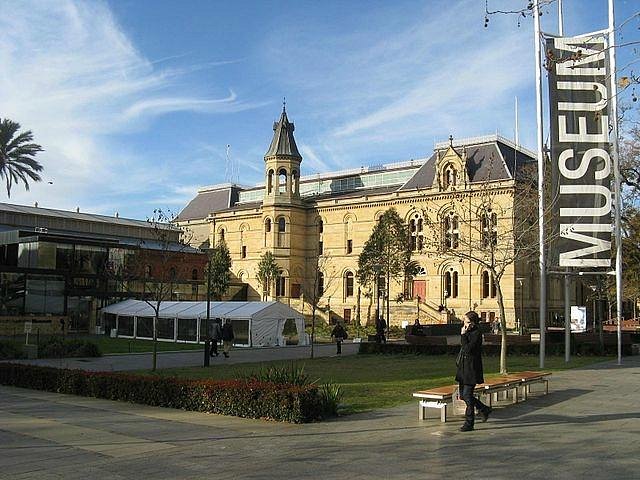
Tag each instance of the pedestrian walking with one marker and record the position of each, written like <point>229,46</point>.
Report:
<point>469,370</point>
<point>339,334</point>
<point>227,338</point>
<point>216,335</point>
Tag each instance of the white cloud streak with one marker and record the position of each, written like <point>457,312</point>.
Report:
<point>71,75</point>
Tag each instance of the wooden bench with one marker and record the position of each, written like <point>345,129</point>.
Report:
<point>517,384</point>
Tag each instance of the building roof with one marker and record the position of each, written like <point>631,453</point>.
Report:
<point>283,143</point>
<point>186,309</point>
<point>489,158</point>
<point>89,217</point>
<point>212,199</point>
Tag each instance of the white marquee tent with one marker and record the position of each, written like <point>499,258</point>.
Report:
<point>254,323</point>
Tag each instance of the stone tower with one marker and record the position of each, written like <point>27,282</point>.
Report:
<point>284,216</point>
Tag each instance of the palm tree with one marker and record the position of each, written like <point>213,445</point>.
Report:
<point>17,154</point>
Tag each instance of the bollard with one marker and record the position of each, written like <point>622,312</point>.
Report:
<point>207,349</point>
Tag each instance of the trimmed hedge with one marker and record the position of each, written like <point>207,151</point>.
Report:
<point>58,347</point>
<point>491,350</point>
<point>10,349</point>
<point>241,398</point>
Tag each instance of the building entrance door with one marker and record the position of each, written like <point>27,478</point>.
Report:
<point>420,289</point>
<point>79,311</point>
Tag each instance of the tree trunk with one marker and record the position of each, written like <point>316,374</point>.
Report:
<point>369,309</point>
<point>503,328</point>
<point>313,325</point>
<point>155,342</point>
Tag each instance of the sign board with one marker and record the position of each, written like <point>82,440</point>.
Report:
<point>579,94</point>
<point>578,319</point>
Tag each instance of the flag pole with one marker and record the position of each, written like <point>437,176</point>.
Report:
<point>616,171</point>
<point>542,307</point>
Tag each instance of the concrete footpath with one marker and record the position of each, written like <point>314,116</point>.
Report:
<point>587,427</point>
<point>191,358</point>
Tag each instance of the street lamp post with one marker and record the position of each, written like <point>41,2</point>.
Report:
<point>520,281</point>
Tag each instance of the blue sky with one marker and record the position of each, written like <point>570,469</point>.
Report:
<point>134,101</point>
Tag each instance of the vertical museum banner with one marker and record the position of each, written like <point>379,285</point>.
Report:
<point>581,164</point>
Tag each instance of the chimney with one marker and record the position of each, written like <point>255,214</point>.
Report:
<point>77,209</point>
<point>117,215</point>
<point>35,204</point>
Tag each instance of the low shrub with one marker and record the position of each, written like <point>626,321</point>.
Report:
<point>241,398</point>
<point>586,349</point>
<point>286,375</point>
<point>59,347</point>
<point>292,374</point>
<point>10,349</point>
<point>331,396</point>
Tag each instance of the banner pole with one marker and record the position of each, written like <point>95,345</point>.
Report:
<point>560,19</point>
<point>616,171</point>
<point>542,307</point>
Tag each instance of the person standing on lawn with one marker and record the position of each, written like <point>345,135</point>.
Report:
<point>216,335</point>
<point>469,370</point>
<point>339,334</point>
<point>227,337</point>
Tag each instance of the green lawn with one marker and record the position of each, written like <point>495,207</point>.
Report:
<point>377,381</point>
<point>120,345</point>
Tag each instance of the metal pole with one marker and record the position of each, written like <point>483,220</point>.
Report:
<point>567,320</point>
<point>560,19</point>
<point>542,308</point>
<point>616,169</point>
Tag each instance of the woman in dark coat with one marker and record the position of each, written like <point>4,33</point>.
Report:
<point>469,371</point>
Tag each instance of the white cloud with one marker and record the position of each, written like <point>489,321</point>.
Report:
<point>395,81</point>
<point>71,75</point>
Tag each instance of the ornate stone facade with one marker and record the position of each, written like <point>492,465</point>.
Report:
<point>331,216</point>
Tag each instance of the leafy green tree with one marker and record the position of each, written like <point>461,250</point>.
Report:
<point>268,271</point>
<point>17,152</point>
<point>218,271</point>
<point>386,253</point>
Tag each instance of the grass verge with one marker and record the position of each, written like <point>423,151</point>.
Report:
<point>379,381</point>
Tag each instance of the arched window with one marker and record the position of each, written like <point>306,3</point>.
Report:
<point>270,181</point>
<point>282,226</point>
<point>489,225</point>
<point>447,284</point>
<point>194,274</point>
<point>282,181</point>
<point>450,284</point>
<point>243,247</point>
<point>485,284</point>
<point>348,284</point>
<point>348,235</point>
<point>172,273</point>
<point>416,232</point>
<point>294,182</point>
<point>451,231</point>
<point>147,271</point>
<point>320,237</point>
<point>320,284</point>
<point>281,283</point>
<point>221,235</point>
<point>267,231</point>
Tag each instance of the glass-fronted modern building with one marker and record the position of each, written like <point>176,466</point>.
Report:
<point>59,268</point>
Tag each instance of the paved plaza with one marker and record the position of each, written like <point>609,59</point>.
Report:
<point>587,427</point>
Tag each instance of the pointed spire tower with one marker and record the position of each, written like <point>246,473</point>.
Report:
<point>282,165</point>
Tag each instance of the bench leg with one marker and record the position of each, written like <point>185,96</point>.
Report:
<point>420,411</point>
<point>515,394</point>
<point>443,414</point>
